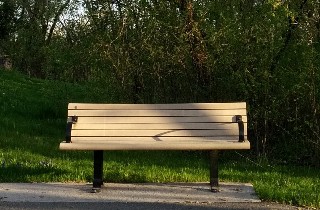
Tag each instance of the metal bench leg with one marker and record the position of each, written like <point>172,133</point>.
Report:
<point>97,170</point>
<point>214,181</point>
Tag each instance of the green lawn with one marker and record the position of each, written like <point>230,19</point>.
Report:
<point>32,124</point>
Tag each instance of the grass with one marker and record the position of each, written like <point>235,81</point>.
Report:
<point>289,184</point>
<point>32,124</point>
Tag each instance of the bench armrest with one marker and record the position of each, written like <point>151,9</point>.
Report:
<point>241,127</point>
<point>71,120</point>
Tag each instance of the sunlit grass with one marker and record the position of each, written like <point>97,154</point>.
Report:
<point>32,124</point>
<point>290,184</point>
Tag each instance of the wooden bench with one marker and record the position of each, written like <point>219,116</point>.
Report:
<point>191,126</point>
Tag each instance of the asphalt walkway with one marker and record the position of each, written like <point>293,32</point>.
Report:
<point>118,192</point>
<point>17,196</point>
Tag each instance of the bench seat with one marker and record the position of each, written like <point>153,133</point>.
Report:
<point>190,126</point>
<point>149,143</point>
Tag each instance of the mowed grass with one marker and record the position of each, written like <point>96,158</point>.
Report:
<point>32,124</point>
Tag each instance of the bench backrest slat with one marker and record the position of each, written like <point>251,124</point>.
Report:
<point>121,139</point>
<point>158,133</point>
<point>157,113</point>
<point>79,106</point>
<point>205,119</point>
<point>155,126</point>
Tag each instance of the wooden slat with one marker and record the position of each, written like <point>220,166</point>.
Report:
<point>164,139</point>
<point>238,105</point>
<point>153,126</point>
<point>156,113</point>
<point>206,119</point>
<point>154,132</point>
<point>155,145</point>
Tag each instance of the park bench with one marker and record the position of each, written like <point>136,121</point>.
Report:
<point>190,126</point>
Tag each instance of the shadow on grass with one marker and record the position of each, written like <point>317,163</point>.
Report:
<point>22,173</point>
<point>120,177</point>
<point>159,158</point>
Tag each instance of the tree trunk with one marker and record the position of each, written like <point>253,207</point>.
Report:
<point>197,46</point>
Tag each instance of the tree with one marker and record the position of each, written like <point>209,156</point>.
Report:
<point>7,19</point>
<point>33,30</point>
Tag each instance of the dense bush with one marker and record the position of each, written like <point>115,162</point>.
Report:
<point>262,52</point>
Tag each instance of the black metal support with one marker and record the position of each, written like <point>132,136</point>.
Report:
<point>214,180</point>
<point>97,170</point>
<point>241,127</point>
<point>68,132</point>
<point>71,120</point>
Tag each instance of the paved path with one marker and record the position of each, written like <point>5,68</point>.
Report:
<point>18,196</point>
<point>117,192</point>
<point>139,206</point>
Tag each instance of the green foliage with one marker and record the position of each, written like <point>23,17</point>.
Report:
<point>263,52</point>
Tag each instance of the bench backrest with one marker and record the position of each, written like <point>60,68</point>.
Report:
<point>160,122</point>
